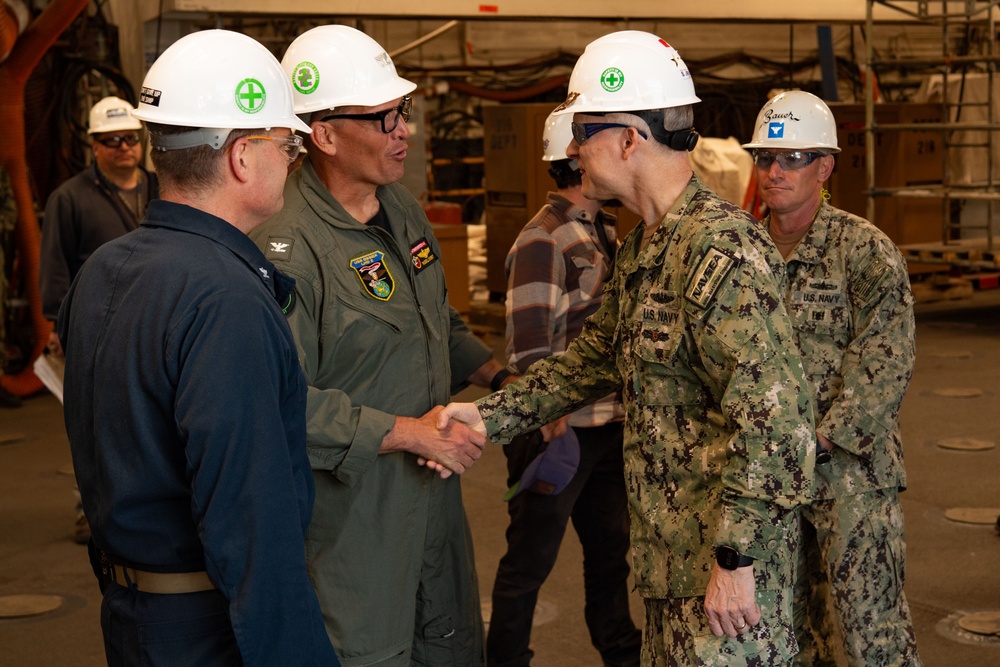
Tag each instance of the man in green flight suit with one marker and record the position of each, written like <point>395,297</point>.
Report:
<point>389,547</point>
<point>719,445</point>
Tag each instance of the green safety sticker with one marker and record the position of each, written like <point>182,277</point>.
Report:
<point>305,77</point>
<point>250,95</point>
<point>612,79</point>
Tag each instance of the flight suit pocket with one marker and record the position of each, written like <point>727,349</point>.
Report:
<point>362,312</point>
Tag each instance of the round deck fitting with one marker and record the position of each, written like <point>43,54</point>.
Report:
<point>966,444</point>
<point>980,516</point>
<point>21,606</point>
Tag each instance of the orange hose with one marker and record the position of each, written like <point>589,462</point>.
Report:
<point>8,31</point>
<point>14,72</point>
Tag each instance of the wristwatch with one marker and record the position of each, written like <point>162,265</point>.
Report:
<point>729,558</point>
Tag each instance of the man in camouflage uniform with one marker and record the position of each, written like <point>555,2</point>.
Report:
<point>849,299</point>
<point>719,449</point>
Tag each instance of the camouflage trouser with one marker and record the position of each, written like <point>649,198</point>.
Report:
<point>676,634</point>
<point>849,604</point>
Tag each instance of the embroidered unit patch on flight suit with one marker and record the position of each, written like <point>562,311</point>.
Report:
<point>373,272</point>
<point>708,277</point>
<point>422,255</point>
<point>279,247</point>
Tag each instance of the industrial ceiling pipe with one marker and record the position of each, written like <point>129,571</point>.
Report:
<point>26,53</point>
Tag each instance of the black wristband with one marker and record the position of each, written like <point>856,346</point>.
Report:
<point>730,559</point>
<point>498,379</point>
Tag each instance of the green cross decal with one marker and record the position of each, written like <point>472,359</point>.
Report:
<point>250,95</point>
<point>612,79</point>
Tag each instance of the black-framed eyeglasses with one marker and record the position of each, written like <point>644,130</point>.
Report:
<point>388,118</point>
<point>584,131</point>
<point>787,160</point>
<point>114,141</point>
<point>290,145</point>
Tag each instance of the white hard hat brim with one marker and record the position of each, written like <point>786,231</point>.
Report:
<point>777,144</point>
<point>125,124</point>
<point>597,107</point>
<point>292,122</point>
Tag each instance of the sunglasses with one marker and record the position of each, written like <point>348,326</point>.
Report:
<point>116,140</point>
<point>787,160</point>
<point>388,118</point>
<point>290,145</point>
<point>584,131</point>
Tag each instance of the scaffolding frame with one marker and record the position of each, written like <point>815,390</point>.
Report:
<point>970,13</point>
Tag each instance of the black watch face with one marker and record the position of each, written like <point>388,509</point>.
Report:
<point>727,557</point>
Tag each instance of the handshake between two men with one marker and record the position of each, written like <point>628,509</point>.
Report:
<point>446,439</point>
<point>461,433</point>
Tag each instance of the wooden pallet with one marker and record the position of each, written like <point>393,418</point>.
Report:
<point>941,288</point>
<point>962,253</point>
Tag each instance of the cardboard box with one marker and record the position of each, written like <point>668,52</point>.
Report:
<point>454,240</point>
<point>517,181</point>
<point>903,158</point>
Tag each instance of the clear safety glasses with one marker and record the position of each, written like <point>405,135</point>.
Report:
<point>290,145</point>
<point>787,160</point>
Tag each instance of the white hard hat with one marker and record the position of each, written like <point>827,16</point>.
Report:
<point>110,114</point>
<point>216,79</point>
<point>556,136</point>
<point>336,66</point>
<point>795,120</point>
<point>627,71</point>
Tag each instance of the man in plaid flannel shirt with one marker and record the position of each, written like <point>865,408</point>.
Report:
<point>555,277</point>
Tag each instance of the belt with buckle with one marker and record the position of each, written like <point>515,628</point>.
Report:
<point>162,582</point>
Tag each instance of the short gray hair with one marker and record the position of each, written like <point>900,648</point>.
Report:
<point>674,119</point>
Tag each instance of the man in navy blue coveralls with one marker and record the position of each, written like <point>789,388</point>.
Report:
<point>185,403</point>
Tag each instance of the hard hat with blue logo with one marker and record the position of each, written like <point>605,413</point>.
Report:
<point>795,120</point>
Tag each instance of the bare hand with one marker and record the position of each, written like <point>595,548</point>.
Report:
<point>556,429</point>
<point>435,466</point>
<point>465,413</point>
<point>825,442</point>
<point>729,601</point>
<point>453,446</point>
<point>55,347</point>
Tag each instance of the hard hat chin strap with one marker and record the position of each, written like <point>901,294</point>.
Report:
<point>204,136</point>
<point>679,140</point>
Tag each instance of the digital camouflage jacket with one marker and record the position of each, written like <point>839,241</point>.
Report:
<point>719,435</point>
<point>848,295</point>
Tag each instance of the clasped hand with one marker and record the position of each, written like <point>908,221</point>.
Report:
<point>447,445</point>
<point>455,423</point>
